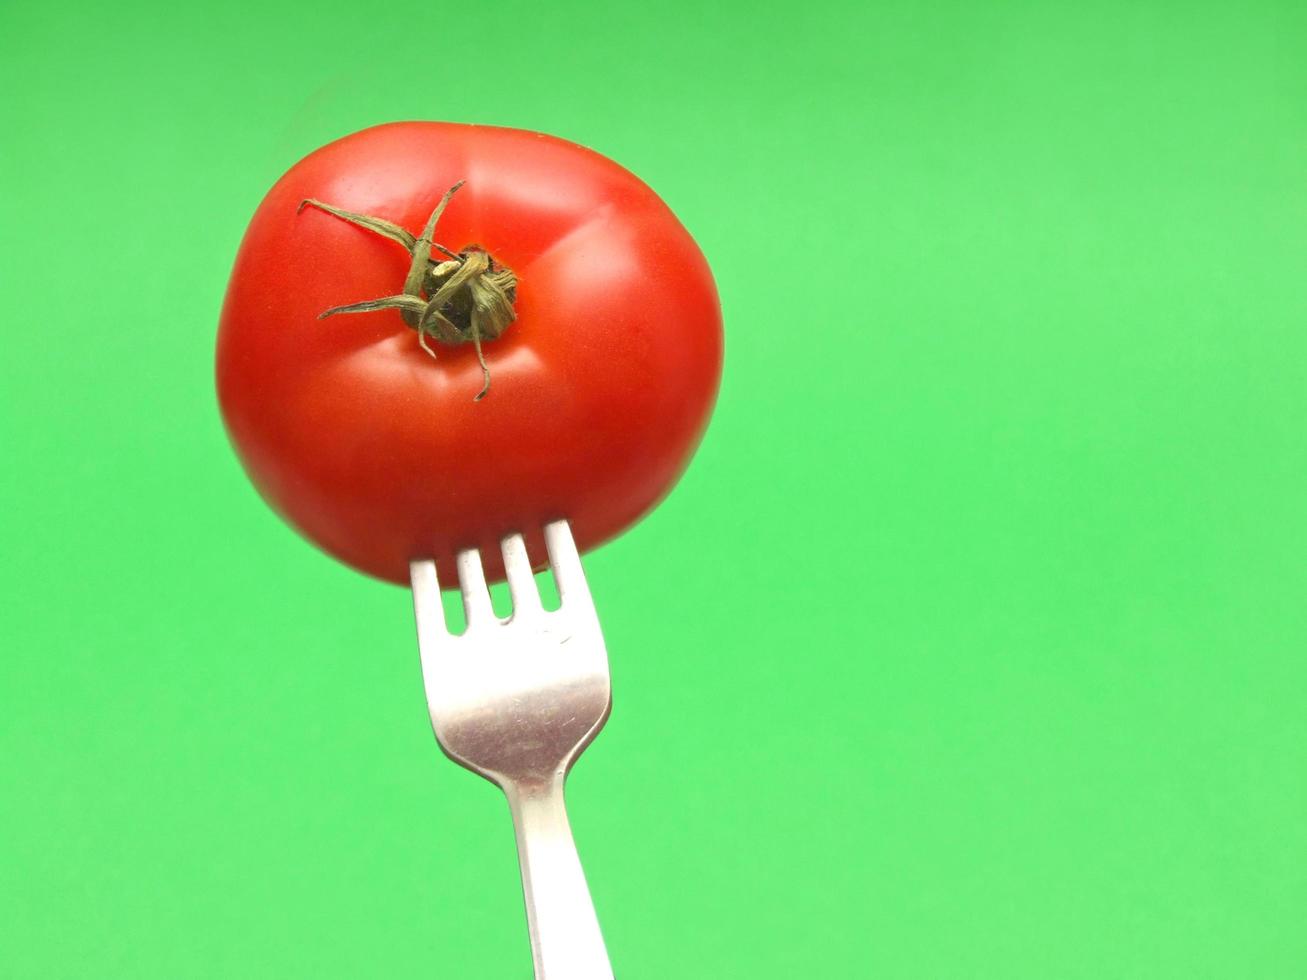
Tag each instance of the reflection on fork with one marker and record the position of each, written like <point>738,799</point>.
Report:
<point>517,700</point>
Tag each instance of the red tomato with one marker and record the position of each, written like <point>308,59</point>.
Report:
<point>377,452</point>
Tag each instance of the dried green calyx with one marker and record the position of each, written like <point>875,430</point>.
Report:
<point>465,297</point>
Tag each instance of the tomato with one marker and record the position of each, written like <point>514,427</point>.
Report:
<point>379,452</point>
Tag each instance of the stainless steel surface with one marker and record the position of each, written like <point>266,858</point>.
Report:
<point>517,700</point>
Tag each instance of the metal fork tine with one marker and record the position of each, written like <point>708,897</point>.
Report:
<point>427,609</point>
<point>477,607</point>
<point>566,564</point>
<point>521,581</point>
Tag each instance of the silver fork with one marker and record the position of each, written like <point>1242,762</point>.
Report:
<point>517,700</point>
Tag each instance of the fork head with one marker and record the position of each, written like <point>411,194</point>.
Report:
<point>517,699</point>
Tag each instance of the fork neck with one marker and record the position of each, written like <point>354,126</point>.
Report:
<point>531,790</point>
<point>566,943</point>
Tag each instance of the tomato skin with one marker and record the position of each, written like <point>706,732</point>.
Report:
<point>376,453</point>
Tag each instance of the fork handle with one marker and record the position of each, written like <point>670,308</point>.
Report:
<point>566,943</point>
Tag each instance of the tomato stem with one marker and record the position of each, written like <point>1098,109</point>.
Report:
<point>467,297</point>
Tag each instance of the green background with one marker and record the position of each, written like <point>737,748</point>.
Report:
<point>973,644</point>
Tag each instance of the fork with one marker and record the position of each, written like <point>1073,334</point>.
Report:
<point>517,700</point>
